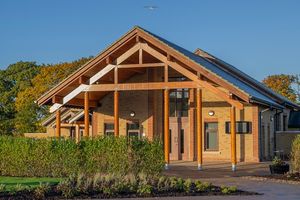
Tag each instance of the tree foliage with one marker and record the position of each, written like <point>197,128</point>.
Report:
<point>283,84</point>
<point>20,85</point>
<point>16,78</point>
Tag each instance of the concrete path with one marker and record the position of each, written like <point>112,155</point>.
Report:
<point>219,173</point>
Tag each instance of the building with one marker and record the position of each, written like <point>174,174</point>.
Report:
<point>200,107</point>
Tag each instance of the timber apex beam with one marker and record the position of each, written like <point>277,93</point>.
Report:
<point>185,72</point>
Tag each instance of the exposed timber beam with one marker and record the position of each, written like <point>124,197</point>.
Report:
<point>74,102</point>
<point>124,66</point>
<point>83,79</point>
<point>192,76</point>
<point>128,53</point>
<point>96,77</point>
<point>142,86</point>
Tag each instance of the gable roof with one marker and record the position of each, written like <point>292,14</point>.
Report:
<point>225,72</point>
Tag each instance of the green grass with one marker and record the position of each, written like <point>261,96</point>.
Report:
<point>32,182</point>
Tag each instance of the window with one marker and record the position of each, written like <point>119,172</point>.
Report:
<point>211,136</point>
<point>109,129</point>
<point>133,130</point>
<point>182,141</point>
<point>179,100</point>
<point>72,133</point>
<point>284,123</point>
<point>240,127</point>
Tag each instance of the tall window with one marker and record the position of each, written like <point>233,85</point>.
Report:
<point>109,129</point>
<point>211,136</point>
<point>133,130</point>
<point>179,100</point>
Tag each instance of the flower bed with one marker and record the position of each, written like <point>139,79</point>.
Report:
<point>116,186</point>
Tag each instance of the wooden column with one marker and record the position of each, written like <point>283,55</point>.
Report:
<point>86,115</point>
<point>166,128</point>
<point>58,123</point>
<point>116,113</point>
<point>199,128</point>
<point>233,137</point>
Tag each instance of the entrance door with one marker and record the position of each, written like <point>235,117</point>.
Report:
<point>179,126</point>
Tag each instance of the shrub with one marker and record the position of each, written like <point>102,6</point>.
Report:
<point>228,190</point>
<point>188,184</point>
<point>67,188</point>
<point>2,187</point>
<point>61,158</point>
<point>41,191</point>
<point>295,157</point>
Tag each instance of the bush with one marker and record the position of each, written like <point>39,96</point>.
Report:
<point>295,157</point>
<point>61,158</point>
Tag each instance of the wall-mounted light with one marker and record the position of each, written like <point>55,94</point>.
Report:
<point>211,113</point>
<point>132,114</point>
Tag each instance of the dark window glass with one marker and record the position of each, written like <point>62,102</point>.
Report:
<point>211,136</point>
<point>182,141</point>
<point>133,131</point>
<point>179,100</point>
<point>109,129</point>
<point>240,127</point>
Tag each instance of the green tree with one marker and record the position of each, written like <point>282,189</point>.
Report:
<point>17,77</point>
<point>282,84</point>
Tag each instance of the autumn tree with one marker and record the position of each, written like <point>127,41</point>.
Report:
<point>282,84</point>
<point>29,114</point>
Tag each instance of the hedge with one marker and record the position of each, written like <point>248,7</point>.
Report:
<point>60,158</point>
<point>295,157</point>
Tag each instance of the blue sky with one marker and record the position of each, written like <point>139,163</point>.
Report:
<point>259,37</point>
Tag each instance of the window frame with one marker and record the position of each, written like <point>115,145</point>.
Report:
<point>205,137</point>
<point>237,130</point>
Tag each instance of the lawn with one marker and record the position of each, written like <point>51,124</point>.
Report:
<point>11,182</point>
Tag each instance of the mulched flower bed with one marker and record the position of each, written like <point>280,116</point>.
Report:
<point>104,186</point>
<point>54,194</point>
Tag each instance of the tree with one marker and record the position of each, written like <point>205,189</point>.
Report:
<point>282,84</point>
<point>29,114</point>
<point>16,78</point>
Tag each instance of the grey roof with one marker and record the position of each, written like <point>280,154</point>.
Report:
<point>255,94</point>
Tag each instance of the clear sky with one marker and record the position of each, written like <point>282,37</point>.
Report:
<point>260,37</point>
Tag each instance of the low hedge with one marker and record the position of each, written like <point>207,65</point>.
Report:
<point>295,155</point>
<point>63,157</point>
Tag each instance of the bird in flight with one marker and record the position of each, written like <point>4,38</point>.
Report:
<point>151,7</point>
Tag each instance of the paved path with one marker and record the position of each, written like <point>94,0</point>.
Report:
<point>220,174</point>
